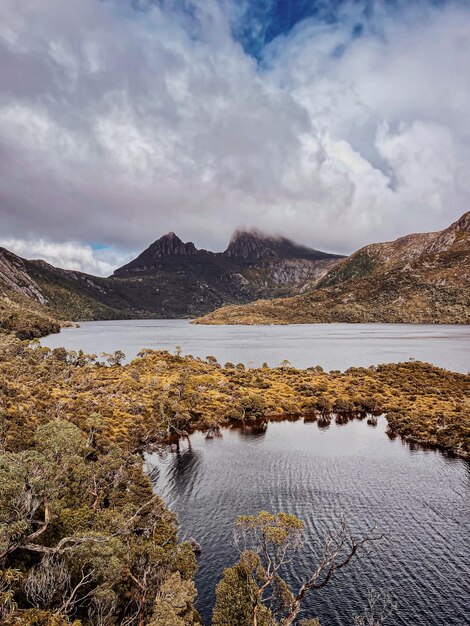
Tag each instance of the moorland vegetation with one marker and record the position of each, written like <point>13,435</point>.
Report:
<point>83,538</point>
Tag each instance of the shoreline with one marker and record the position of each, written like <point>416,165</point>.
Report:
<point>306,418</point>
<point>158,393</point>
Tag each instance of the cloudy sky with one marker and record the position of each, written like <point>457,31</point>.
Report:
<point>337,123</point>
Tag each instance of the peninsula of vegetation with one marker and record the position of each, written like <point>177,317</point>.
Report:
<point>160,395</point>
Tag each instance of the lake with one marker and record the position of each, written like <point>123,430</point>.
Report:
<point>333,346</point>
<point>419,499</point>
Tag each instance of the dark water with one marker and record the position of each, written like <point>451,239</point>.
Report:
<point>419,498</point>
<point>333,346</point>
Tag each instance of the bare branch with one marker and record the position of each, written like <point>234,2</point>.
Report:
<point>37,533</point>
<point>339,551</point>
<point>380,606</point>
<point>70,543</point>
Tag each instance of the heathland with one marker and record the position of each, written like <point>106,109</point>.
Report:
<point>83,539</point>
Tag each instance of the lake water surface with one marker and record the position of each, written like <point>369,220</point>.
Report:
<point>419,499</point>
<point>333,346</point>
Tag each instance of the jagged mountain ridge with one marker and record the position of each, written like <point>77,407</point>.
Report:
<point>170,245</point>
<point>244,247</point>
<point>422,277</point>
<point>169,279</point>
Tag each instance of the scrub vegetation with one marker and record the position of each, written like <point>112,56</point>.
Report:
<point>25,320</point>
<point>159,395</point>
<point>83,539</point>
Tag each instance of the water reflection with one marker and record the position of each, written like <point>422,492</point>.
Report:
<point>323,422</point>
<point>181,469</point>
<point>252,431</point>
<point>341,419</point>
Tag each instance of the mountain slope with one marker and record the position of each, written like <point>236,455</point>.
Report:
<point>176,279</point>
<point>22,310</point>
<point>170,279</point>
<point>418,278</point>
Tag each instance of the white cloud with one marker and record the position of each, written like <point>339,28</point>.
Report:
<point>69,255</point>
<point>117,126</point>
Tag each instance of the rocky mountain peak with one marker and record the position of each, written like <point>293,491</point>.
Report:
<point>254,244</point>
<point>171,245</point>
<point>250,244</point>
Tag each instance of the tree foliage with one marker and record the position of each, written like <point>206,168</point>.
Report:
<point>254,593</point>
<point>83,537</point>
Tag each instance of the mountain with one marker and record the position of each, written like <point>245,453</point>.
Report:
<point>149,260</point>
<point>169,279</point>
<point>246,248</point>
<point>175,279</point>
<point>253,244</point>
<point>418,278</point>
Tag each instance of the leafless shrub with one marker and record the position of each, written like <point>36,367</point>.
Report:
<point>47,583</point>
<point>380,606</point>
<point>102,608</point>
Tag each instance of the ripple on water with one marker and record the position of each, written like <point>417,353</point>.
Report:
<point>418,498</point>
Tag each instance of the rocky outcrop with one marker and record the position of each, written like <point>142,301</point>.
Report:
<point>14,277</point>
<point>301,272</point>
<point>450,236</point>
<point>418,278</point>
<point>170,245</point>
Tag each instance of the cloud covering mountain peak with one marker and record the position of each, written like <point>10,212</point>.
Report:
<point>118,120</point>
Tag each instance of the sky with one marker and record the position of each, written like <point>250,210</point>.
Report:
<point>335,123</point>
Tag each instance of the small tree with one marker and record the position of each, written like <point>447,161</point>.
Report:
<point>174,603</point>
<point>113,358</point>
<point>237,594</point>
<point>254,592</point>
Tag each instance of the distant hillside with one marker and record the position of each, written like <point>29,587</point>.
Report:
<point>22,305</point>
<point>418,278</point>
<point>170,279</point>
<point>25,321</point>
